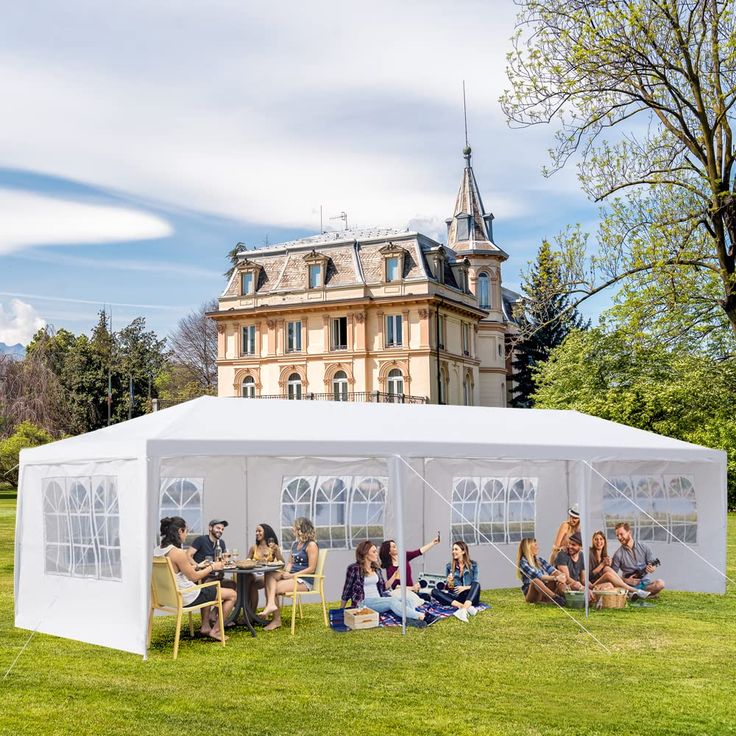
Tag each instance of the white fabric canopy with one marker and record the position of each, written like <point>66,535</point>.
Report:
<point>89,506</point>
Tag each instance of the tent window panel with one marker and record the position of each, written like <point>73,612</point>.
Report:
<point>521,508</point>
<point>57,533</point>
<point>492,511</point>
<point>682,508</point>
<point>296,501</point>
<point>652,516</point>
<point>183,497</point>
<point>106,518</point>
<point>617,506</point>
<point>84,555</point>
<point>330,512</point>
<point>464,515</point>
<point>367,509</point>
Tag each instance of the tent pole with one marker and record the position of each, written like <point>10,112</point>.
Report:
<point>397,483</point>
<point>583,501</point>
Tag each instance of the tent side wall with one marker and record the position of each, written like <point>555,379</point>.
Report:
<point>83,559</point>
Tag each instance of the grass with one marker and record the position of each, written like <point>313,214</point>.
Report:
<point>517,670</point>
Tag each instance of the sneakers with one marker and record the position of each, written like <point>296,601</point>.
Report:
<point>636,595</point>
<point>560,600</point>
<point>430,618</point>
<point>462,614</point>
<point>472,610</point>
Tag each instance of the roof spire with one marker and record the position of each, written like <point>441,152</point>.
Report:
<point>467,149</point>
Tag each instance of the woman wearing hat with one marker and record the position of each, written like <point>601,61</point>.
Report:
<point>566,530</point>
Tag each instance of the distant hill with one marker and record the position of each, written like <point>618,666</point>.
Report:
<point>17,351</point>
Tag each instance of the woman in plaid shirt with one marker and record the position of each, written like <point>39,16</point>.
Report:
<point>364,586</point>
<point>535,571</point>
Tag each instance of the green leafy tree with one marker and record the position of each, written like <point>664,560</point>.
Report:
<point>643,94</point>
<point>544,317</point>
<point>26,434</point>
<point>688,396</point>
<point>232,257</point>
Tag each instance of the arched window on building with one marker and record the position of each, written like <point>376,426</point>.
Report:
<point>468,390</point>
<point>484,291</point>
<point>294,386</point>
<point>340,386</point>
<point>443,386</point>
<point>395,384</point>
<point>248,388</point>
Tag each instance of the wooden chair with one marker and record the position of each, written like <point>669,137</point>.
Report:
<point>318,576</point>
<point>165,596</point>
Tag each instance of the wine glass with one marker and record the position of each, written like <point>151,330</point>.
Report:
<point>234,554</point>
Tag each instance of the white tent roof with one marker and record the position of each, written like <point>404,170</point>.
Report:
<point>211,426</point>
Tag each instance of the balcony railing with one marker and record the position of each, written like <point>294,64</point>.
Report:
<point>380,397</point>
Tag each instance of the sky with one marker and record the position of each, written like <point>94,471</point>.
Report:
<point>141,141</point>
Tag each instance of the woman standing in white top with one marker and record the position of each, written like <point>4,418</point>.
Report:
<point>173,533</point>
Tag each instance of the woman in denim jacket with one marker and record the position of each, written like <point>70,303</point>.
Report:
<point>463,589</point>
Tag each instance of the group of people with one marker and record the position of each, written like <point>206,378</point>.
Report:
<point>629,569</point>
<point>374,579</point>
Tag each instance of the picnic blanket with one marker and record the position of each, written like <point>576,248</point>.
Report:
<point>390,619</point>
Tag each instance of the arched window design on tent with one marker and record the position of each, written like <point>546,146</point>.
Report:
<point>106,526</point>
<point>248,387</point>
<point>492,511</point>
<point>652,498</point>
<point>484,291</point>
<point>464,506</point>
<point>340,386</point>
<point>182,497</point>
<point>617,505</point>
<point>367,509</point>
<point>57,534</point>
<point>84,563</point>
<point>683,509</point>
<point>330,512</point>
<point>521,508</point>
<point>294,386</point>
<point>395,384</point>
<point>296,500</point>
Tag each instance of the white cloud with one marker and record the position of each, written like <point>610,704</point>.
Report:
<point>33,219</point>
<point>19,323</point>
<point>263,121</point>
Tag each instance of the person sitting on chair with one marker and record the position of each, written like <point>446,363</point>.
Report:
<point>463,589</point>
<point>635,561</point>
<point>266,549</point>
<point>364,586</point>
<point>211,545</point>
<point>303,559</point>
<point>540,582</point>
<point>173,533</point>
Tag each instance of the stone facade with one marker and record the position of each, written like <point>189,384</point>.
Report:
<point>371,314</point>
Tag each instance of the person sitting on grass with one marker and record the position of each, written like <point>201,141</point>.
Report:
<point>463,589</point>
<point>173,533</point>
<point>266,549</point>
<point>571,562</point>
<point>635,561</point>
<point>364,586</point>
<point>389,555</point>
<point>601,571</point>
<point>540,582</point>
<point>303,559</point>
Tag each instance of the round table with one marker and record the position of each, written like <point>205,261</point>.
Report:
<point>244,578</point>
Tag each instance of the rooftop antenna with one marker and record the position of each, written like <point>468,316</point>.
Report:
<point>466,150</point>
<point>342,216</point>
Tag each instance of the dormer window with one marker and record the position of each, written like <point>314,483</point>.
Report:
<point>316,269</point>
<point>393,262</point>
<point>249,272</point>
<point>463,227</point>
<point>439,265</point>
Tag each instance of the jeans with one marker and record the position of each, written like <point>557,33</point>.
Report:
<point>389,603</point>
<point>412,599</point>
<point>446,598</point>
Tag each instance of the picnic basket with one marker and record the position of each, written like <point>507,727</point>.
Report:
<point>612,598</point>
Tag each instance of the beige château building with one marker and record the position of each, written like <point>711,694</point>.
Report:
<point>371,315</point>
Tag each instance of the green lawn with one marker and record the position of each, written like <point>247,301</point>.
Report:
<point>515,670</point>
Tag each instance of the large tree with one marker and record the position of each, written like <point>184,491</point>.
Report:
<point>544,318</point>
<point>194,348</point>
<point>642,92</point>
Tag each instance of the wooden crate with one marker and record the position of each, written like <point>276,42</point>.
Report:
<point>361,618</point>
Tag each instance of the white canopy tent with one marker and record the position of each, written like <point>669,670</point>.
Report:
<point>88,506</point>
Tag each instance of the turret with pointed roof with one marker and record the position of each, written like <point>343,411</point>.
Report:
<point>470,228</point>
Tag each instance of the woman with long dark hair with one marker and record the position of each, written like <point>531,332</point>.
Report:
<point>389,555</point>
<point>266,549</point>
<point>173,533</point>
<point>462,591</point>
<point>364,586</point>
<point>601,571</point>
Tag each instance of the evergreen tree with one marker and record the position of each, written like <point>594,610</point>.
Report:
<point>545,317</point>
